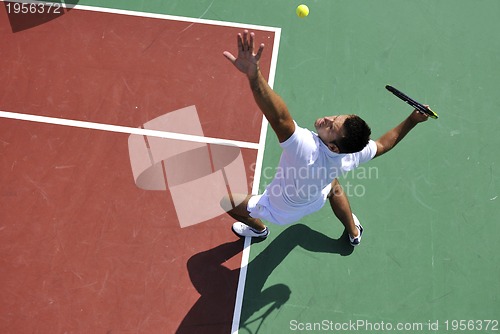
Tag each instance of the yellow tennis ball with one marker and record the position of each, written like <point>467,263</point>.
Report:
<point>302,11</point>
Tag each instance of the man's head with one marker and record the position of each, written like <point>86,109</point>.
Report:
<point>343,133</point>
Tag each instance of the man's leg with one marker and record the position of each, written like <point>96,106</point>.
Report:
<point>342,209</point>
<point>240,212</point>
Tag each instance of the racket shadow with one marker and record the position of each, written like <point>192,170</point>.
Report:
<point>213,311</point>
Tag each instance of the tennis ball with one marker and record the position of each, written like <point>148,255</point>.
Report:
<point>302,11</point>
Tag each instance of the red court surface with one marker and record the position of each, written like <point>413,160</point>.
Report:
<point>82,248</point>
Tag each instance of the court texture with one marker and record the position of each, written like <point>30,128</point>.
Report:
<point>121,124</point>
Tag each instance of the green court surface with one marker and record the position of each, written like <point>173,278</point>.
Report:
<point>430,259</point>
<point>430,208</point>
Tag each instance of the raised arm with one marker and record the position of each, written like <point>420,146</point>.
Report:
<point>392,137</point>
<point>271,104</point>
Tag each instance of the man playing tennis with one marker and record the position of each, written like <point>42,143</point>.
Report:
<point>310,162</point>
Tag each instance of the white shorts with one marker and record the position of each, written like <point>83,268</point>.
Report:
<point>260,207</point>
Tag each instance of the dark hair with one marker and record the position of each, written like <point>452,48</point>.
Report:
<point>356,135</point>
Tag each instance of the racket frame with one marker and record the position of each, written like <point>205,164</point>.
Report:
<point>418,106</point>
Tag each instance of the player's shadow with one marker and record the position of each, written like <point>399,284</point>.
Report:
<point>24,16</point>
<point>213,311</point>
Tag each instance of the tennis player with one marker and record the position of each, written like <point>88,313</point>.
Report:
<point>310,162</point>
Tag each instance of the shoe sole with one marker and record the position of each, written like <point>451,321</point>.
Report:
<point>253,237</point>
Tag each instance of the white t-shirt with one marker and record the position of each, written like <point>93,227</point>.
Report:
<point>306,168</point>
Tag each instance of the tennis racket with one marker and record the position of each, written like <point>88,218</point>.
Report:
<point>420,107</point>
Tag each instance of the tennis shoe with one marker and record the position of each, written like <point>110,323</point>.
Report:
<point>357,240</point>
<point>243,230</point>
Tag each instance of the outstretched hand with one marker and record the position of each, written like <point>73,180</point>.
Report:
<point>247,61</point>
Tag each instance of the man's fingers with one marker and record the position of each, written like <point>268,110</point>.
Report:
<point>259,52</point>
<point>240,42</point>
<point>245,40</point>
<point>250,47</point>
<point>246,46</point>
<point>229,56</point>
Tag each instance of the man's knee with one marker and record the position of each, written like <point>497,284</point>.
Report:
<point>336,188</point>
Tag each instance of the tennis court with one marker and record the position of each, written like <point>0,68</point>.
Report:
<point>97,235</point>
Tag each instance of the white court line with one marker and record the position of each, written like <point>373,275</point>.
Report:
<point>259,146</point>
<point>255,189</point>
<point>128,130</point>
<point>149,15</point>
